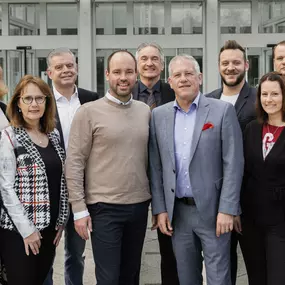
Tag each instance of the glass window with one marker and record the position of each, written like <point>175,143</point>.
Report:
<point>0,20</point>
<point>271,16</point>
<point>56,24</point>
<point>23,19</point>
<point>149,18</point>
<point>235,17</point>
<point>111,18</point>
<point>186,18</point>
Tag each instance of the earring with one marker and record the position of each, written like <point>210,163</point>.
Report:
<point>20,111</point>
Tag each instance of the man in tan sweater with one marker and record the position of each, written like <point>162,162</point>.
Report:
<point>108,152</point>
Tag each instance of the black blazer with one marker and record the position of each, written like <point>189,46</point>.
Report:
<point>3,107</point>
<point>84,96</point>
<point>245,104</point>
<point>167,94</point>
<point>263,191</point>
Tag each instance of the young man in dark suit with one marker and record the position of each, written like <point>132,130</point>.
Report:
<point>62,70</point>
<point>233,66</point>
<point>152,91</point>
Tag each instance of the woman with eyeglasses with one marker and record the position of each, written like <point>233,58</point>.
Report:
<point>32,184</point>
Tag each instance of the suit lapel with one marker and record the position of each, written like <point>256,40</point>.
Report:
<point>242,98</point>
<point>169,127</point>
<point>201,116</point>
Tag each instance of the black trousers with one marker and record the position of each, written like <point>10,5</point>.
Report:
<point>169,275</point>
<point>22,269</point>
<point>234,257</point>
<point>117,241</point>
<point>263,249</point>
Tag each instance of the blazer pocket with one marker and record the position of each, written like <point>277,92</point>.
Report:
<point>219,183</point>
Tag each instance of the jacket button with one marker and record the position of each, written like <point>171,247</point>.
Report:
<point>174,171</point>
<point>172,190</point>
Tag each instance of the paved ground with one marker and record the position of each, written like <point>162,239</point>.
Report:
<point>150,264</point>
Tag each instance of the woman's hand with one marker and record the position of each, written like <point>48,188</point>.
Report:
<point>58,236</point>
<point>237,225</point>
<point>33,242</point>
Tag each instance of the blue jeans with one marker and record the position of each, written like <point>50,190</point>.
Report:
<point>74,247</point>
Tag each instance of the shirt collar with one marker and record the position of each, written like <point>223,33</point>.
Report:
<point>57,95</point>
<point>195,103</point>
<point>143,88</point>
<point>117,101</point>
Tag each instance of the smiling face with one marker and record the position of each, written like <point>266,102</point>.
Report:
<point>34,111</point>
<point>149,63</point>
<point>271,98</point>
<point>184,79</point>
<point>62,70</point>
<point>279,59</point>
<point>232,67</point>
<point>122,75</point>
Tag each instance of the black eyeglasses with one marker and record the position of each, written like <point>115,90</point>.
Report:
<point>28,100</point>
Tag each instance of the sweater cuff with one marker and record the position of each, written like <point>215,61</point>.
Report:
<point>80,215</point>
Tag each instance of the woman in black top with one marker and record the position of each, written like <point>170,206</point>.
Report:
<point>32,184</point>
<point>263,192</point>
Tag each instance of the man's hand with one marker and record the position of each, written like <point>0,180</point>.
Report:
<point>237,225</point>
<point>154,223</point>
<point>82,226</point>
<point>164,224</point>
<point>225,224</point>
<point>33,242</point>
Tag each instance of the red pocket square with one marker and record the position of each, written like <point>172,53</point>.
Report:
<point>207,126</point>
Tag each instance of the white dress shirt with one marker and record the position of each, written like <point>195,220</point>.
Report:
<point>66,111</point>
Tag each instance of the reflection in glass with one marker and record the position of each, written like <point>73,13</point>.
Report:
<point>111,18</point>
<point>186,18</point>
<point>23,19</point>
<point>56,24</point>
<point>235,17</point>
<point>271,16</point>
<point>15,69</point>
<point>0,20</point>
<point>149,18</point>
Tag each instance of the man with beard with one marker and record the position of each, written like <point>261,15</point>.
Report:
<point>233,66</point>
<point>108,147</point>
<point>279,58</point>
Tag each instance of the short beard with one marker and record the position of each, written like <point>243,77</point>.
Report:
<point>237,82</point>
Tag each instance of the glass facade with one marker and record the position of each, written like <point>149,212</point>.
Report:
<point>149,18</point>
<point>271,16</point>
<point>235,17</point>
<point>186,18</point>
<point>111,18</point>
<point>23,19</point>
<point>55,23</point>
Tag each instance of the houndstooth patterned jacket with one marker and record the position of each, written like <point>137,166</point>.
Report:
<point>24,183</point>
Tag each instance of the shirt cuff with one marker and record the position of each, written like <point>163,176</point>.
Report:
<point>80,215</point>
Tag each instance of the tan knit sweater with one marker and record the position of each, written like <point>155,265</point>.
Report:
<point>109,144</point>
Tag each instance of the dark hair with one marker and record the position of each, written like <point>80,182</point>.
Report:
<point>117,51</point>
<point>47,122</point>
<point>273,50</point>
<point>262,116</point>
<point>232,44</point>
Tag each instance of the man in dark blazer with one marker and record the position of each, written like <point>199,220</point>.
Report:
<point>62,70</point>
<point>233,66</point>
<point>152,91</point>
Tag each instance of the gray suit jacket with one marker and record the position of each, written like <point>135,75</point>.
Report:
<point>216,159</point>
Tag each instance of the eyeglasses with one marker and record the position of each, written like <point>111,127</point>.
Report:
<point>28,100</point>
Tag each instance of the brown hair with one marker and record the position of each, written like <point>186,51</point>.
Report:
<point>232,44</point>
<point>117,51</point>
<point>273,50</point>
<point>262,116</point>
<point>47,121</point>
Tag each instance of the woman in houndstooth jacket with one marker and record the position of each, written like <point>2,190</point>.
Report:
<point>32,184</point>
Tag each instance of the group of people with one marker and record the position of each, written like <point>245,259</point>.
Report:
<point>210,165</point>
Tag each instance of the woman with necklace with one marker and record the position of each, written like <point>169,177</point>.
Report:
<point>32,184</point>
<point>262,225</point>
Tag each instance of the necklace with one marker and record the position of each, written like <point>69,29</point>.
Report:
<point>268,130</point>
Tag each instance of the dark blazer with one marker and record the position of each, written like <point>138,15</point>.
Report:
<point>3,107</point>
<point>245,104</point>
<point>263,191</point>
<point>84,96</point>
<point>167,94</point>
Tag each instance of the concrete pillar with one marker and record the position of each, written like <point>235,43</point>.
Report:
<point>5,19</point>
<point>212,43</point>
<point>43,19</point>
<point>85,46</point>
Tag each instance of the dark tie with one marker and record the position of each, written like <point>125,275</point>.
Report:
<point>151,99</point>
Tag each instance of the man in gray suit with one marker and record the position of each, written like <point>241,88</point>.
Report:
<point>196,169</point>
